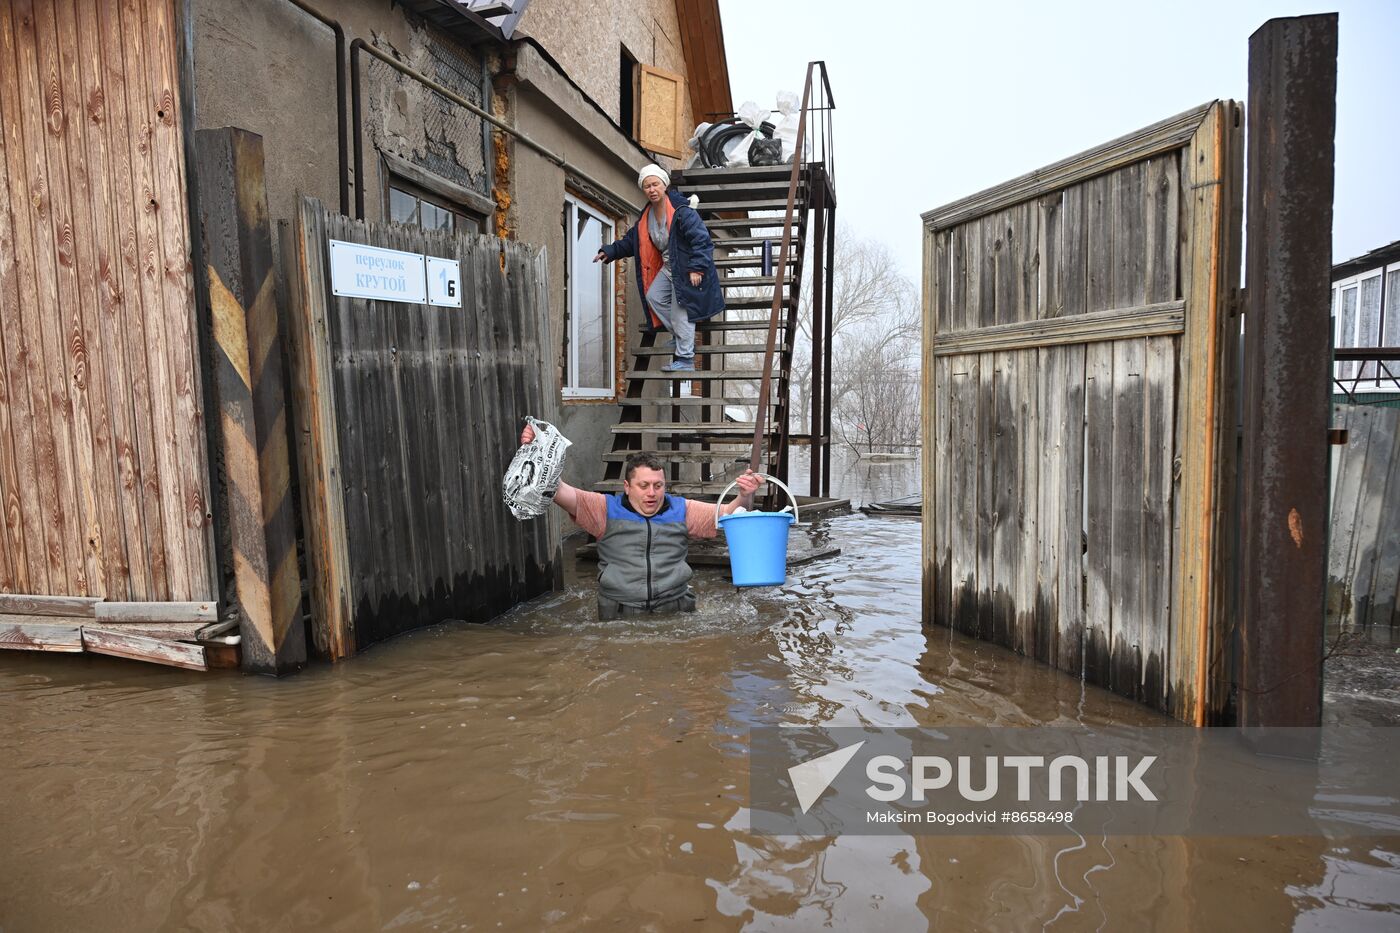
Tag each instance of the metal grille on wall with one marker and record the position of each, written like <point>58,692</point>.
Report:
<point>439,136</point>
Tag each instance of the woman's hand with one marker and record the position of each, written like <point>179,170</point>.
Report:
<point>695,278</point>
<point>601,257</point>
<point>527,435</point>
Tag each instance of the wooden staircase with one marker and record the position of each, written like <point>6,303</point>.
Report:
<point>706,433</point>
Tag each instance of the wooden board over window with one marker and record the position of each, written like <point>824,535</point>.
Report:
<point>660,121</point>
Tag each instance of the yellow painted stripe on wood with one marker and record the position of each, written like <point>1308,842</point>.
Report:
<point>230,325</point>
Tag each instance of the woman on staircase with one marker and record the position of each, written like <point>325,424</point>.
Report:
<point>676,272</point>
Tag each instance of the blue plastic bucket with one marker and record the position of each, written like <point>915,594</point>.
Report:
<point>758,543</point>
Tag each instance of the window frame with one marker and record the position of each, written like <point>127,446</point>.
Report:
<point>572,204</point>
<point>1350,372</point>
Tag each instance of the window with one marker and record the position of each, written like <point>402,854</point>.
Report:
<point>418,207</point>
<point>1357,310</point>
<point>589,326</point>
<point>627,94</point>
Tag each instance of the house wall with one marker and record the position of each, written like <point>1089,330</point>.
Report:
<point>587,46</point>
<point>267,67</point>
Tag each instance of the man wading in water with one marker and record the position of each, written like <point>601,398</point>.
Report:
<point>642,535</point>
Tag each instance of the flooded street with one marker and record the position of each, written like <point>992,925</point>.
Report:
<point>553,772</point>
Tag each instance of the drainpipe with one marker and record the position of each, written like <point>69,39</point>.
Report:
<point>359,45</point>
<point>344,166</point>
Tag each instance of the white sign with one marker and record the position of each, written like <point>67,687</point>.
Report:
<point>444,283</point>
<point>359,271</point>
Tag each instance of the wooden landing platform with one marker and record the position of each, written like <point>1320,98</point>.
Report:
<point>196,646</point>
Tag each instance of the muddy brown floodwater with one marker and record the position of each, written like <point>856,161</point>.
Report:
<point>552,772</point>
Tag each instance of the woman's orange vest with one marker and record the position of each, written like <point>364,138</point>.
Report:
<point>649,256</point>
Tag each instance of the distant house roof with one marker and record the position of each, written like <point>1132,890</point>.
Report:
<point>1383,256</point>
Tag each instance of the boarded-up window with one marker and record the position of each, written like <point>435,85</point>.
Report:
<point>659,126</point>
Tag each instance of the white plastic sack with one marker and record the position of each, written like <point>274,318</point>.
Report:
<point>785,126</point>
<point>533,476</point>
<point>752,114</point>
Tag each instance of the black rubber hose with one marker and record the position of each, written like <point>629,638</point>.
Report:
<point>712,143</point>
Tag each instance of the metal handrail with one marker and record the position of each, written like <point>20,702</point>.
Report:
<point>799,164</point>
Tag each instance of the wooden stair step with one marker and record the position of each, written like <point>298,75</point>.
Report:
<point>708,350</point>
<point>714,375</point>
<point>737,175</point>
<point>731,428</point>
<point>733,455</point>
<point>754,261</point>
<point>736,303</point>
<point>759,204</point>
<point>746,190</point>
<point>694,400</point>
<point>753,281</point>
<point>750,223</point>
<point>712,326</point>
<point>752,242</point>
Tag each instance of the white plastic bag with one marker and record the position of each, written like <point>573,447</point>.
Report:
<point>533,476</point>
<point>785,126</point>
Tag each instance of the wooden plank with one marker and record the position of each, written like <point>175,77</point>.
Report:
<point>941,509</point>
<point>1162,319</point>
<point>40,636</point>
<point>1163,136</point>
<point>1385,579</point>
<point>1004,443</point>
<point>1370,532</point>
<point>1099,230</point>
<point>147,199</point>
<point>1027,417</point>
<point>48,377</point>
<point>323,510</point>
<point>121,515</point>
<point>66,315</point>
<point>1070,641</point>
<point>1199,416</point>
<point>1098,511</point>
<point>985,501</point>
<point>72,606</point>
<point>144,648</point>
<point>1128,274</point>
<point>1074,262</point>
<point>1050,295</point>
<point>141,470</point>
<point>1346,506</point>
<point>1126,529</point>
<point>110,613</point>
<point>19,560</point>
<point>177,284</point>
<point>964,455</point>
<point>1159,451</point>
<point>1162,189</point>
<point>166,631</point>
<point>104,545</point>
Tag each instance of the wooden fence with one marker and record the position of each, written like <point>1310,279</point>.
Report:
<point>1363,560</point>
<point>1078,371</point>
<point>408,416</point>
<point>103,475</point>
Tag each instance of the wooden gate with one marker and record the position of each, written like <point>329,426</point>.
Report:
<point>408,415</point>
<point>1080,358</point>
<point>103,474</point>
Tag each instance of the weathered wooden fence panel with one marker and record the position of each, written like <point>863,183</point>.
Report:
<point>409,416</point>
<point>1363,561</point>
<point>103,476</point>
<point>1078,342</point>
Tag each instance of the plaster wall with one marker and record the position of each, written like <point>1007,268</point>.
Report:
<point>587,40</point>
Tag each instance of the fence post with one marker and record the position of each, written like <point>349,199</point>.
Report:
<point>1283,482</point>
<point>253,480</point>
